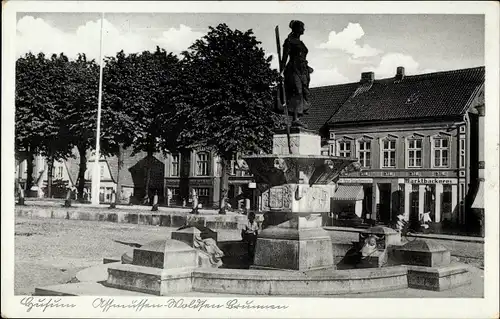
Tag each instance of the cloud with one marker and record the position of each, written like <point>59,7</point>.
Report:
<point>327,77</point>
<point>36,35</point>
<point>389,63</point>
<point>356,61</point>
<point>178,40</point>
<point>346,40</point>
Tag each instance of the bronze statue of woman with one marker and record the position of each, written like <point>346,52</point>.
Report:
<point>296,73</point>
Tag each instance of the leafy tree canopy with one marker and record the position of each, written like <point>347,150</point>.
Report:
<point>138,111</point>
<point>227,100</point>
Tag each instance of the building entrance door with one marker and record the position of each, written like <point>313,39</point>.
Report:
<point>414,220</point>
<point>385,203</point>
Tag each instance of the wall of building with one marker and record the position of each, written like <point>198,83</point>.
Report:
<point>403,189</point>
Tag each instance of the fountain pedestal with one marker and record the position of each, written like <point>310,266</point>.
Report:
<point>296,190</point>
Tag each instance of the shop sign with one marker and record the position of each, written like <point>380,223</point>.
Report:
<point>355,180</point>
<point>430,181</point>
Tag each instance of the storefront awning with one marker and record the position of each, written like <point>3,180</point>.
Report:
<point>479,200</point>
<point>349,192</point>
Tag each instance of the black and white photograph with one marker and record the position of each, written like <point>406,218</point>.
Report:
<point>250,159</point>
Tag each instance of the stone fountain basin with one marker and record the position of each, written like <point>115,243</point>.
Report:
<point>274,169</point>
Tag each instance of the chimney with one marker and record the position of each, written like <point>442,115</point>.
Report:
<point>367,77</point>
<point>400,73</point>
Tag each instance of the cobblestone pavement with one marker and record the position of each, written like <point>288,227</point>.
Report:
<point>52,251</point>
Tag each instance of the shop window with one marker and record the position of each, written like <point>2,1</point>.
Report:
<point>389,153</point>
<point>441,152</point>
<point>462,153</point>
<point>415,153</point>
<point>202,164</point>
<point>203,195</point>
<point>365,153</point>
<point>345,148</point>
<point>202,191</point>
<point>175,165</point>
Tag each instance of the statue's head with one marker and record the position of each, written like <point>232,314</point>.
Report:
<point>297,26</point>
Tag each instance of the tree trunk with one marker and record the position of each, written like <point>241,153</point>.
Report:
<point>81,171</point>
<point>50,169</point>
<point>224,184</point>
<point>29,171</point>
<point>118,181</point>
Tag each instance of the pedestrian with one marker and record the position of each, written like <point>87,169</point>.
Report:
<point>425,221</point>
<point>249,234</point>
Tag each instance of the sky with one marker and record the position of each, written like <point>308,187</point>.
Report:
<point>341,46</point>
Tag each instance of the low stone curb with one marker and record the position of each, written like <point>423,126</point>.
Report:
<point>130,216</point>
<point>424,236</point>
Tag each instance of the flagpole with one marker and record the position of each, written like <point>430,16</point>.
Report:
<point>96,177</point>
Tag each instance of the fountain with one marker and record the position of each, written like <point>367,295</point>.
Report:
<point>296,189</point>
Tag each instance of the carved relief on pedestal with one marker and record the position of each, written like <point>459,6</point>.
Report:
<point>278,198</point>
<point>317,199</point>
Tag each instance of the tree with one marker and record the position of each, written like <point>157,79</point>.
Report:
<point>81,115</point>
<point>29,85</point>
<point>138,111</point>
<point>56,142</point>
<point>41,101</point>
<point>227,103</point>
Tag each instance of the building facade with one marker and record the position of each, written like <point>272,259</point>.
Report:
<point>417,140</point>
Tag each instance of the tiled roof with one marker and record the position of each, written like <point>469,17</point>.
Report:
<point>421,96</point>
<point>325,101</point>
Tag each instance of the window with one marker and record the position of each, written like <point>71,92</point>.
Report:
<point>415,153</point>
<point>202,164</point>
<point>462,129</point>
<point>462,191</point>
<point>102,170</point>
<point>389,153</point>
<point>233,165</point>
<point>462,153</point>
<point>203,192</point>
<point>331,149</point>
<point>365,153</point>
<point>441,152</point>
<point>345,149</point>
<point>175,165</point>
<point>59,173</point>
